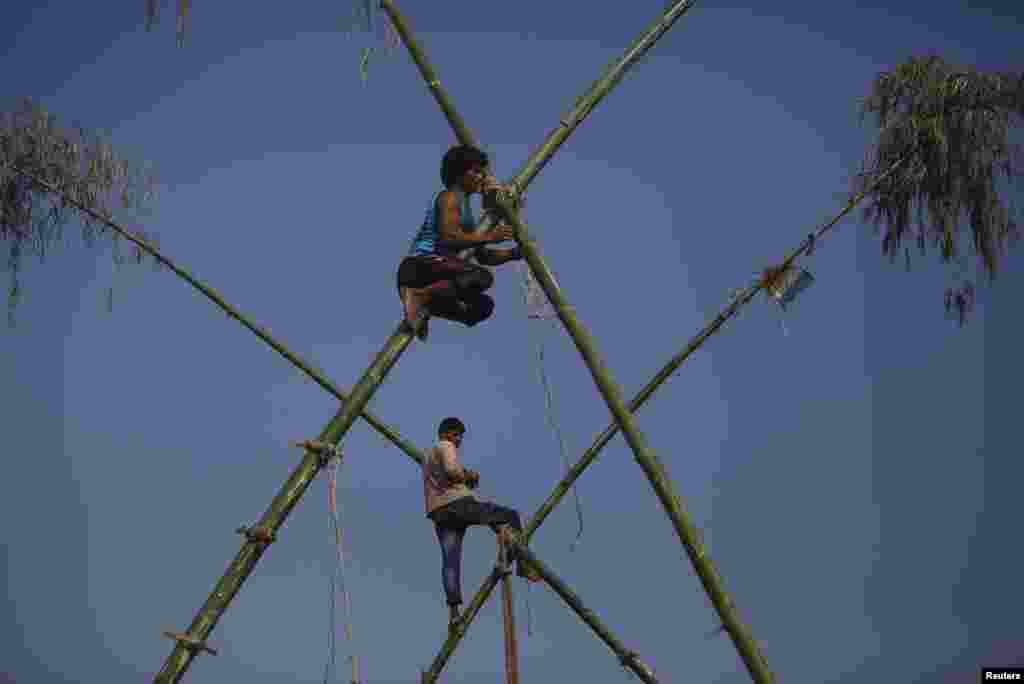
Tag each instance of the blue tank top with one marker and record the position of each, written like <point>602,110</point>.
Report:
<point>428,237</point>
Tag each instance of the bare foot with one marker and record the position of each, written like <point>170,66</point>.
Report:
<point>414,302</point>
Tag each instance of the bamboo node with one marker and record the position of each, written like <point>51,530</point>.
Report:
<point>435,84</point>
<point>190,642</point>
<point>258,535</point>
<point>324,450</point>
<point>771,278</point>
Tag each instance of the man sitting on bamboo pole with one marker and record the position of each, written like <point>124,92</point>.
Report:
<point>437,278</point>
<point>453,508</point>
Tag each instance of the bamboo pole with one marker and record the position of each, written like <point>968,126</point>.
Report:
<point>459,630</point>
<point>626,657</point>
<point>604,85</point>
<point>590,455</point>
<point>511,645</point>
<point>281,506</point>
<point>391,435</point>
<point>741,299</point>
<point>462,132</point>
<point>644,455</point>
<point>536,162</point>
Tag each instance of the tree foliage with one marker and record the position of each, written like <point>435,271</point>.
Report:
<point>949,129</point>
<point>36,157</point>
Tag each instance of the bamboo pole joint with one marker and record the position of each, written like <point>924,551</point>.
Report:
<point>258,535</point>
<point>325,450</point>
<point>190,642</point>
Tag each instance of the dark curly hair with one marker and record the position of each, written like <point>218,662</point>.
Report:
<point>458,160</point>
<point>450,425</point>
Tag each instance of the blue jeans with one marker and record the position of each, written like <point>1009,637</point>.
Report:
<point>451,522</point>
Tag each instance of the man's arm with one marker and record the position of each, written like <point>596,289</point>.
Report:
<point>453,236</point>
<point>491,256</point>
<point>450,462</point>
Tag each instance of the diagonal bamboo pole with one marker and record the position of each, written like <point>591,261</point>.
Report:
<point>644,455</point>
<point>281,506</point>
<point>600,88</point>
<point>741,299</point>
<point>626,657</point>
<point>462,132</point>
<point>537,160</point>
<point>590,455</point>
<point>391,435</point>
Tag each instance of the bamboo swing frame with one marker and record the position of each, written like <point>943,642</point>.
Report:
<point>261,535</point>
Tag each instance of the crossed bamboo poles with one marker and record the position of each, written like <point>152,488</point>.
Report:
<point>261,535</point>
<point>644,455</point>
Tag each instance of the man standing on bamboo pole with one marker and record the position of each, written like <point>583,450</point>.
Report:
<point>453,508</point>
<point>437,277</point>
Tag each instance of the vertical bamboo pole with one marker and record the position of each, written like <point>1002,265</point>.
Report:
<point>281,506</point>
<point>511,645</point>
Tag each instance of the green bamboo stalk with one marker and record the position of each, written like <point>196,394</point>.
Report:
<point>462,132</point>
<point>391,435</point>
<point>604,85</point>
<point>590,455</point>
<point>459,630</point>
<point>644,455</point>
<point>281,506</point>
<point>741,299</point>
<point>536,162</point>
<point>626,657</point>
<point>511,643</point>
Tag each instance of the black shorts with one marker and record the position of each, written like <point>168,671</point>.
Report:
<point>420,271</point>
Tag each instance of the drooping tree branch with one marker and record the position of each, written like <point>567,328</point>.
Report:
<point>144,246</point>
<point>86,169</point>
<point>963,171</point>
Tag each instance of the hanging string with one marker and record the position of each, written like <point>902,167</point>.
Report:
<point>338,582</point>
<point>538,307</point>
<point>379,33</point>
<point>549,405</point>
<point>529,613</point>
<point>330,669</point>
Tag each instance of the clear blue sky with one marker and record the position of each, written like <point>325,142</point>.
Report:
<point>855,478</point>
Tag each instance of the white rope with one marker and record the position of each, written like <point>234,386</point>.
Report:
<point>539,308</point>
